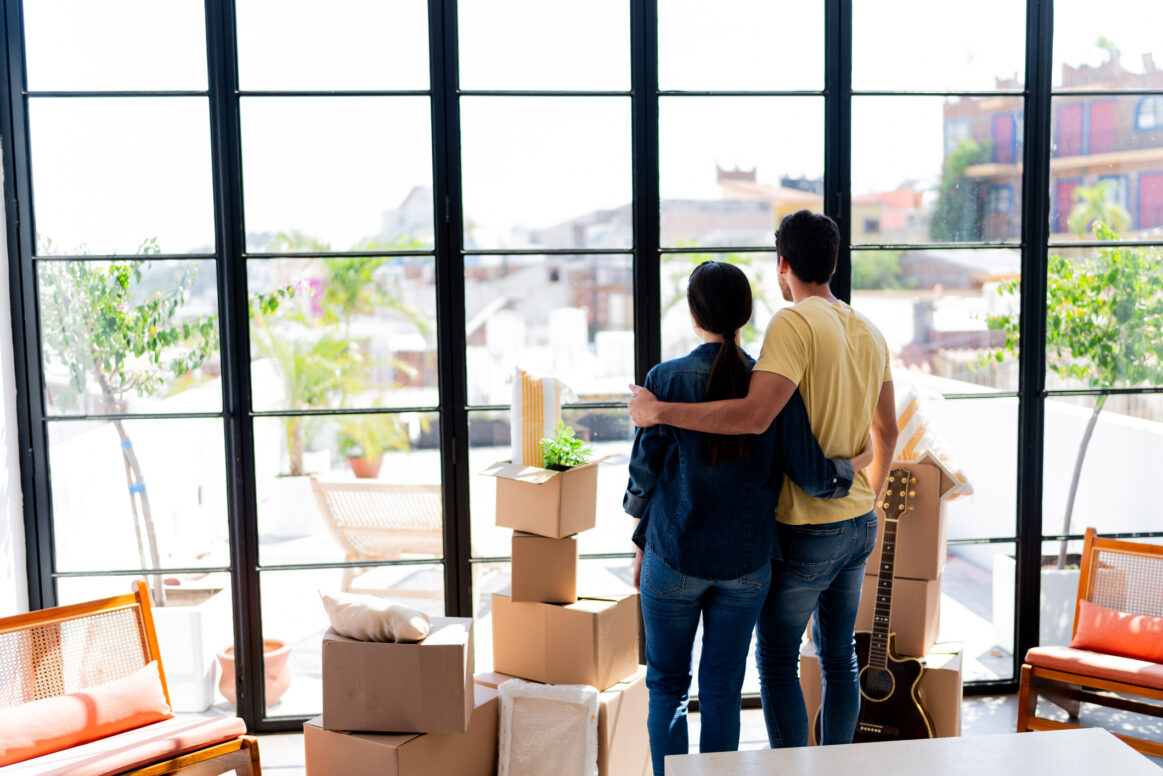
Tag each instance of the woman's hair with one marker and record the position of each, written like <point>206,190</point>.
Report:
<point>719,296</point>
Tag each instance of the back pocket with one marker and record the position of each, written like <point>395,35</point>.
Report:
<point>811,551</point>
<point>659,577</point>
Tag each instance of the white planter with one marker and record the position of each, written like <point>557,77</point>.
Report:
<point>287,508</point>
<point>189,633</point>
<point>1059,591</point>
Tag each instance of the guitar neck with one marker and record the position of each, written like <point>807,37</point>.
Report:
<point>898,491</point>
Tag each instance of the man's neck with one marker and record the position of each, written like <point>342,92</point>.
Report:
<point>801,291</point>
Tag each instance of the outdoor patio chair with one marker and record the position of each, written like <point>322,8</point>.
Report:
<point>374,520</point>
<point>78,649</point>
<point>1127,675</point>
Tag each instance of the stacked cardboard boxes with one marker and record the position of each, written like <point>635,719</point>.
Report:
<point>396,709</point>
<point>916,597</point>
<point>545,631</point>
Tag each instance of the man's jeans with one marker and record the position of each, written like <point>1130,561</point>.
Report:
<point>671,605</point>
<point>821,572</point>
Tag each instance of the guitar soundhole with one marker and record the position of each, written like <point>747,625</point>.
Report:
<point>876,684</point>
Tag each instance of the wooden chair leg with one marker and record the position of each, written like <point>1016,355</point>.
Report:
<point>1027,700</point>
<point>1063,696</point>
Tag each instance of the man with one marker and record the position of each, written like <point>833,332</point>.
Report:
<point>839,362</point>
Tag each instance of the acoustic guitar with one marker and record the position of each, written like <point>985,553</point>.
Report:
<point>890,705</point>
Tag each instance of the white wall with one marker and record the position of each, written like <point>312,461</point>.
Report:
<point>13,582</point>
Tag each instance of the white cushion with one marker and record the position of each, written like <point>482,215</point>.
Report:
<point>372,618</point>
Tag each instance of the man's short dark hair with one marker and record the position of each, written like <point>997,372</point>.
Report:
<point>810,242</point>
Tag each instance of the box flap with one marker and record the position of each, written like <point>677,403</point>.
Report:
<point>533,474</point>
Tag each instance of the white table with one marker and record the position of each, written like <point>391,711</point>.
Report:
<point>1058,753</point>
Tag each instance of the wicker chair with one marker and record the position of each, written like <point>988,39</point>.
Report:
<point>374,520</point>
<point>1128,577</point>
<point>67,649</point>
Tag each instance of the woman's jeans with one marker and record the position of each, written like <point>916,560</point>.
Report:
<point>821,572</point>
<point>671,605</point>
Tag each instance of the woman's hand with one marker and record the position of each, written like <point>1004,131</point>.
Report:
<point>638,568</point>
<point>864,458</point>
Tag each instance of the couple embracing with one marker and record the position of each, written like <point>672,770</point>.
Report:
<point>754,484</point>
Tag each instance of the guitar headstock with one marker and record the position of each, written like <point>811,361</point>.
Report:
<point>898,493</point>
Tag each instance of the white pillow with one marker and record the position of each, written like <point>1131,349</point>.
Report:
<point>918,438</point>
<point>372,618</point>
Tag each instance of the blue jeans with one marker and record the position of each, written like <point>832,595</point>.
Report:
<point>821,572</point>
<point>671,605</point>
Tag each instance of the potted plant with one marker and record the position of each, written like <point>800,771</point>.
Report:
<point>564,450</point>
<point>362,440</point>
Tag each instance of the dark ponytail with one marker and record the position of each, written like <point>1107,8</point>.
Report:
<point>719,296</point>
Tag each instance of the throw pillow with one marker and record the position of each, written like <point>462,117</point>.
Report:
<point>1102,629</point>
<point>372,618</point>
<point>536,410</point>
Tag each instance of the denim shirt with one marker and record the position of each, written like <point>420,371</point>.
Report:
<point>718,522</point>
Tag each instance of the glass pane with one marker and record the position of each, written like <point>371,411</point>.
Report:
<point>1106,167</point>
<point>945,313</point>
<point>613,576</point>
<point>122,175</point>
<point>1103,322</point>
<point>1112,48</point>
<point>567,316</point>
<point>732,167</point>
<point>175,513</point>
<point>79,45</point>
<point>343,333</point>
<point>740,45</point>
<point>129,336</point>
<point>962,155</point>
<point>293,624</point>
<point>1126,440</point>
<point>977,609</point>
<point>607,431</point>
<point>925,46</point>
<point>356,44</point>
<point>194,625</point>
<point>678,336</point>
<point>547,172</point>
<point>337,173</point>
<point>378,480</point>
<point>531,44</point>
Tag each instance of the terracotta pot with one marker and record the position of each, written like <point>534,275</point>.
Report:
<point>276,670</point>
<point>366,468</point>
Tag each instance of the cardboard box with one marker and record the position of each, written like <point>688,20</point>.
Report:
<point>623,745</point>
<point>920,535</point>
<point>473,753</point>
<point>544,570</point>
<point>425,687</point>
<point>916,613</point>
<point>940,688</point>
<point>491,679</point>
<point>546,502</point>
<point>593,641</point>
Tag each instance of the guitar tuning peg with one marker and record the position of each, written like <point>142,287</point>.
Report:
<point>900,507</point>
<point>912,493</point>
<point>884,505</point>
<point>913,480</point>
<point>891,478</point>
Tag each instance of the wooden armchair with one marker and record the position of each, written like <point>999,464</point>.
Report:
<point>1119,575</point>
<point>70,649</point>
<point>374,520</point>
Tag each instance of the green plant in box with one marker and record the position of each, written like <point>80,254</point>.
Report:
<point>564,450</point>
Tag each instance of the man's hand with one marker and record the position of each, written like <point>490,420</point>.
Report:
<point>638,568</point>
<point>643,407</point>
<point>864,457</point>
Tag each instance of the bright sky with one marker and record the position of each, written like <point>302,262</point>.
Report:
<point>108,172</point>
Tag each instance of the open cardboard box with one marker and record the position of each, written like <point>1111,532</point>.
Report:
<point>593,641</point>
<point>921,533</point>
<point>425,687</point>
<point>546,502</point>
<point>472,753</point>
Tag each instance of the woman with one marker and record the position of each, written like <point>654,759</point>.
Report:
<point>706,529</point>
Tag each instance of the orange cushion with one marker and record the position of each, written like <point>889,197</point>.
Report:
<point>51,724</point>
<point>1101,629</point>
<point>132,749</point>
<point>1098,665</point>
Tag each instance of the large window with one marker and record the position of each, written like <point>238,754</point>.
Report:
<point>259,248</point>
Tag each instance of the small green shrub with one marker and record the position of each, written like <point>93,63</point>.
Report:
<point>564,450</point>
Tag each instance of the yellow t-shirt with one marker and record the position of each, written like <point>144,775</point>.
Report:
<point>839,360</point>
